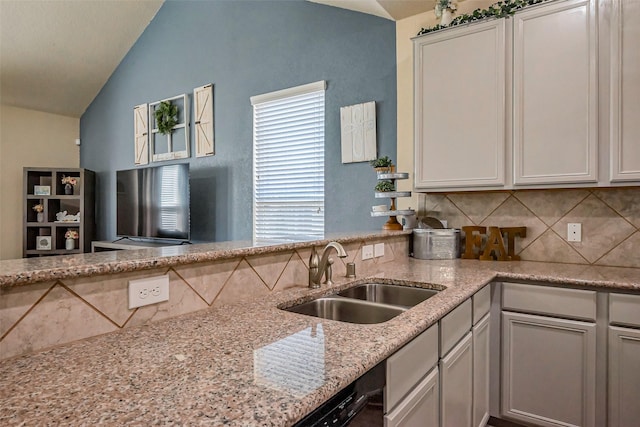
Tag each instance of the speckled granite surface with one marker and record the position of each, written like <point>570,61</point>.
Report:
<point>31,270</point>
<point>223,366</point>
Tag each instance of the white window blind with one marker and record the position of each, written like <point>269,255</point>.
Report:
<point>288,164</point>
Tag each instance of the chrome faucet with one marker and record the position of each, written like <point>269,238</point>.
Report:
<point>319,266</point>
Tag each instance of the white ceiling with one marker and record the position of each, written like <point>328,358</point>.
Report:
<point>55,55</point>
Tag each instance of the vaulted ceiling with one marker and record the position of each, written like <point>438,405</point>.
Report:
<point>55,56</point>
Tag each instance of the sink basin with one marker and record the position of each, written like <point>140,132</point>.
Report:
<point>403,296</point>
<point>347,310</point>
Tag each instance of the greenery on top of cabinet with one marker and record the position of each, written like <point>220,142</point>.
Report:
<point>502,9</point>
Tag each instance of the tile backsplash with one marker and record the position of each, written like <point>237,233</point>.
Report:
<point>40,315</point>
<point>610,219</point>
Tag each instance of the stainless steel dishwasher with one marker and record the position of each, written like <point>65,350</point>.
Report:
<point>360,404</point>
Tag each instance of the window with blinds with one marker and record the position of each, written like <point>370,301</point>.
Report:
<point>288,164</point>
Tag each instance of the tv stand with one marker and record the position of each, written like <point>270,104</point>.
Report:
<point>125,243</point>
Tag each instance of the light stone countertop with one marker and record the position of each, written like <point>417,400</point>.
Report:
<point>248,364</point>
<point>32,270</point>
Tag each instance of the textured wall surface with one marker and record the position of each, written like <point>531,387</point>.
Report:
<point>29,138</point>
<point>610,221</point>
<point>247,48</point>
<point>41,315</point>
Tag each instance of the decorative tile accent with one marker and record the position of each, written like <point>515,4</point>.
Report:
<point>625,254</point>
<point>512,213</point>
<point>624,201</point>
<point>608,217</point>
<point>243,285</point>
<point>551,205</point>
<point>59,318</point>
<point>602,228</point>
<point>270,266</point>
<point>295,274</point>
<point>446,209</point>
<point>208,278</point>
<point>478,206</point>
<point>550,246</point>
<point>15,302</point>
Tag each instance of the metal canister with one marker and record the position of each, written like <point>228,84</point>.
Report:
<point>431,243</point>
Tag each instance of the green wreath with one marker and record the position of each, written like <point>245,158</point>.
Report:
<point>166,117</point>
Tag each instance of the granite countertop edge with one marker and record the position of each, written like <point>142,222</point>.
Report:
<point>34,270</point>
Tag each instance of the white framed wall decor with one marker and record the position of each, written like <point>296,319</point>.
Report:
<point>203,121</point>
<point>358,132</point>
<point>175,144</point>
<point>141,134</point>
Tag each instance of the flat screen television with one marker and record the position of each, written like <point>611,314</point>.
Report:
<point>153,202</point>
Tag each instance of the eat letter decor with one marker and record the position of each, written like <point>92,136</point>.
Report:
<point>494,246</point>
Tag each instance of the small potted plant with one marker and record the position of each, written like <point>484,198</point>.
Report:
<point>382,165</point>
<point>70,236</point>
<point>39,208</point>
<point>385,186</point>
<point>69,182</point>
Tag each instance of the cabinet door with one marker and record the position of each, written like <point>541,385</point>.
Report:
<point>624,376</point>
<point>625,90</point>
<point>548,370</point>
<point>459,107</point>
<point>420,407</point>
<point>481,372</point>
<point>456,390</point>
<point>555,115</point>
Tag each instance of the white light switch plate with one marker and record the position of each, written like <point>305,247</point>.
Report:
<point>378,250</point>
<point>147,291</point>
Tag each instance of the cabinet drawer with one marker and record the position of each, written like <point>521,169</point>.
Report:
<point>454,326</point>
<point>409,365</point>
<point>568,303</point>
<point>481,303</point>
<point>624,310</point>
<point>420,407</point>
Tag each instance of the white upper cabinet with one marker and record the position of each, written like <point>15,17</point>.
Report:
<point>459,107</point>
<point>555,109</point>
<point>625,90</point>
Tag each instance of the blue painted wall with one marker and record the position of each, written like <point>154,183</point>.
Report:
<point>247,48</point>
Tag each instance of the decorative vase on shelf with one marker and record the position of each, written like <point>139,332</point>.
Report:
<point>70,244</point>
<point>447,17</point>
<point>40,217</point>
<point>68,189</point>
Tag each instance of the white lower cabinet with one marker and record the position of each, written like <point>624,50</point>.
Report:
<point>624,360</point>
<point>481,359</point>
<point>456,388</point>
<point>411,397</point>
<point>420,408</point>
<point>548,370</point>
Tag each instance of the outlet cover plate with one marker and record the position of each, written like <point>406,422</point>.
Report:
<point>150,290</point>
<point>367,252</point>
<point>574,232</point>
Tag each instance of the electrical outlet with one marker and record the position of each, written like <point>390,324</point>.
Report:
<point>147,291</point>
<point>378,250</point>
<point>367,252</point>
<point>574,232</point>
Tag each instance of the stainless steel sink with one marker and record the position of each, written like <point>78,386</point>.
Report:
<point>347,310</point>
<point>403,296</point>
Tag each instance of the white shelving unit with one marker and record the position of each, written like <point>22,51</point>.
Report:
<point>392,213</point>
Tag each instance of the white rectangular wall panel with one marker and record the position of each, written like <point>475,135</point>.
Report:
<point>358,132</point>
<point>141,134</point>
<point>203,121</point>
